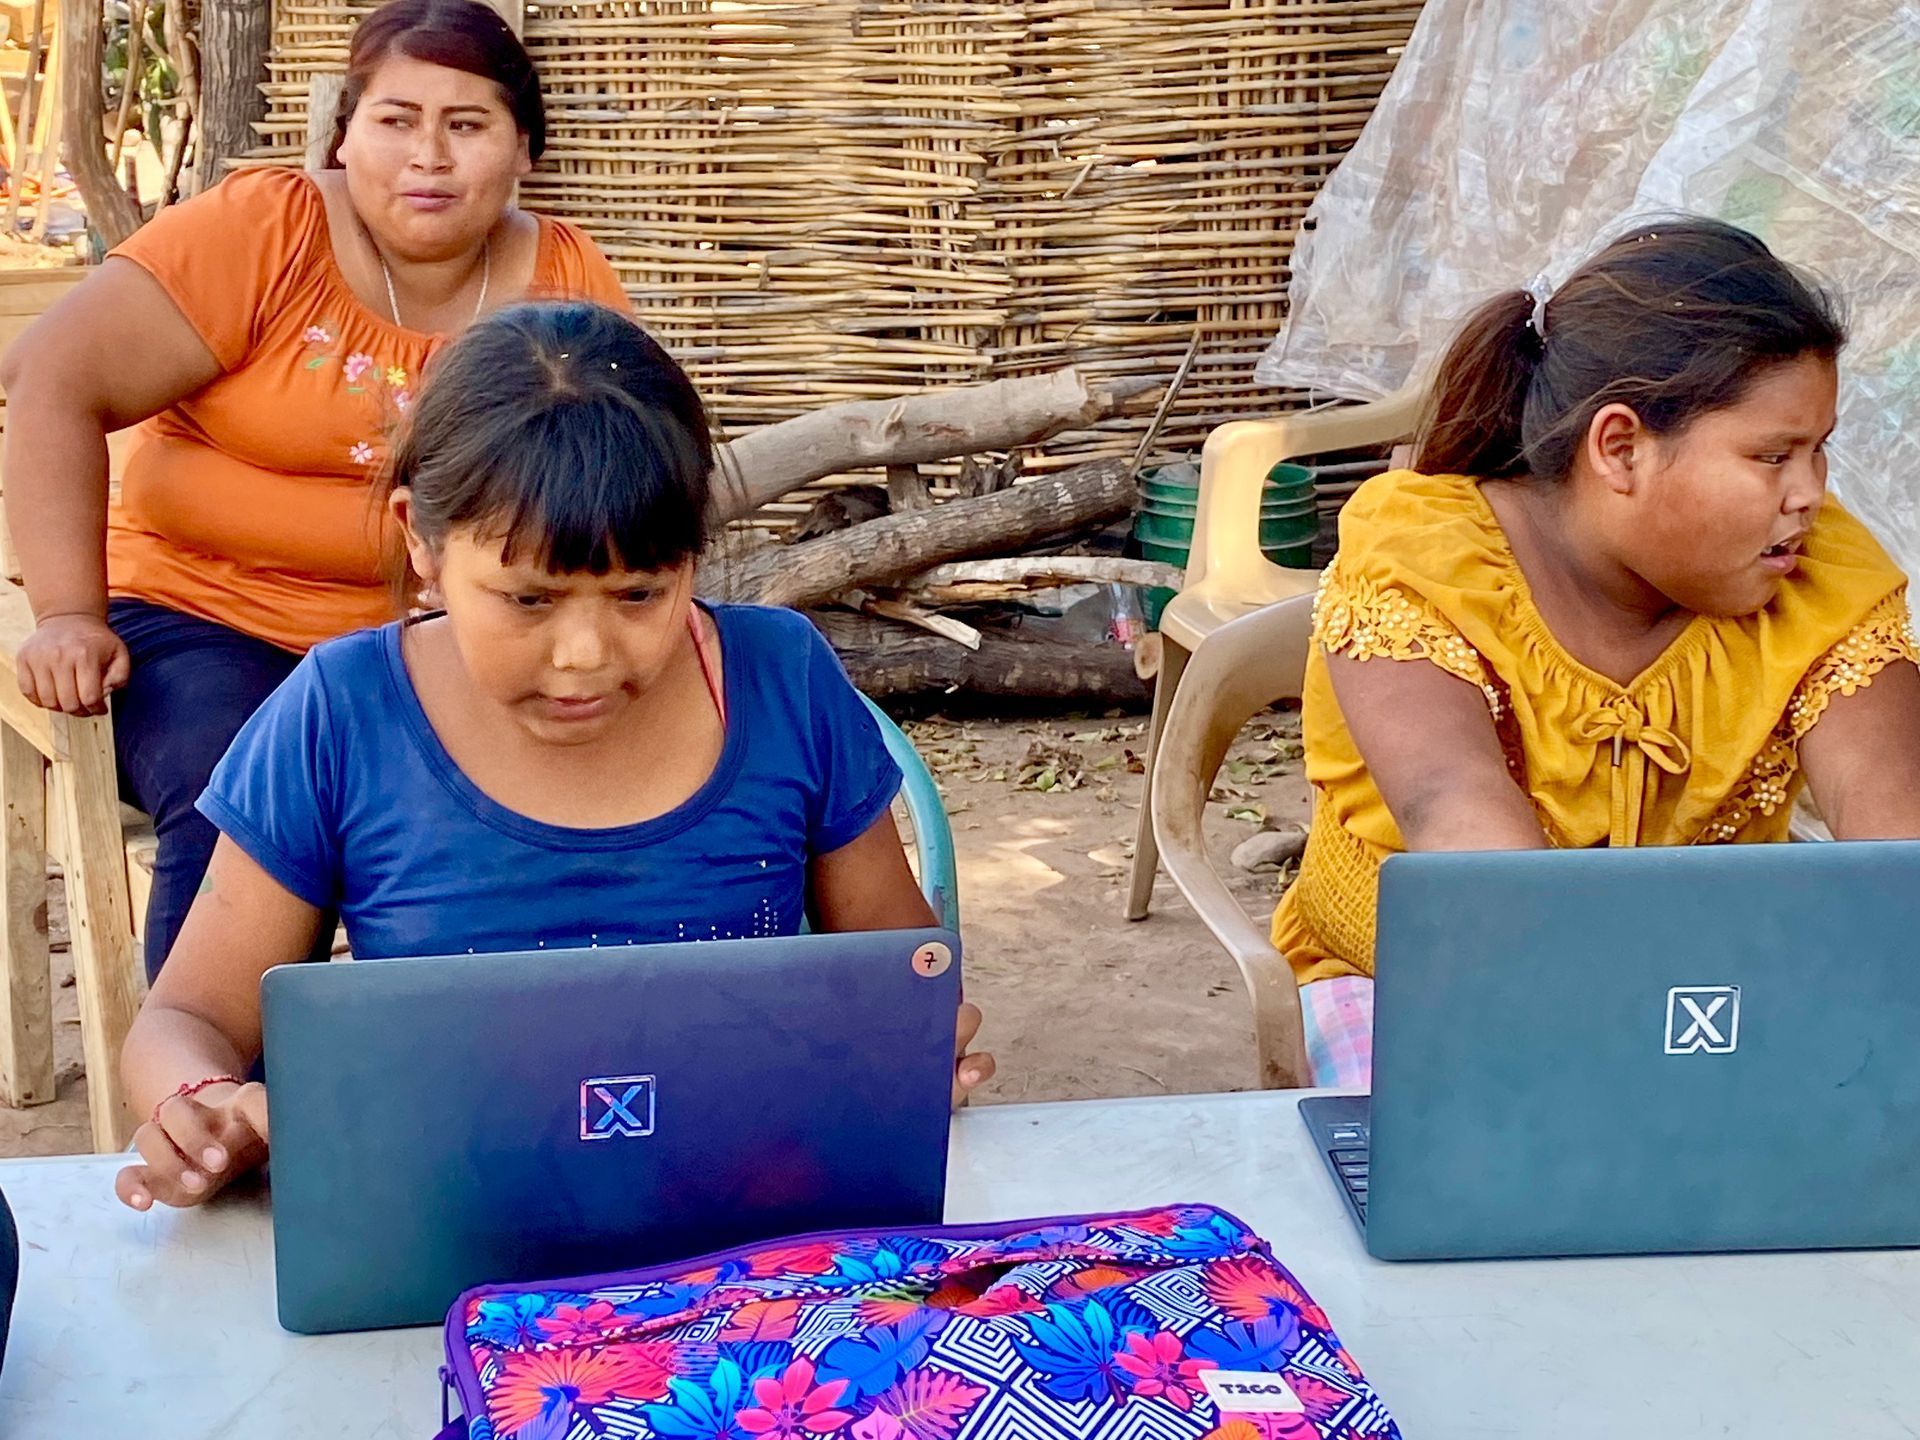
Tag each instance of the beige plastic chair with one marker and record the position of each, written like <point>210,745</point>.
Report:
<point>1243,667</point>
<point>1228,577</point>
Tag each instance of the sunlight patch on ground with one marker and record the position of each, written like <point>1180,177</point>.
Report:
<point>1009,870</point>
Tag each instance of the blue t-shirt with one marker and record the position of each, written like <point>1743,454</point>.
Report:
<point>339,789</point>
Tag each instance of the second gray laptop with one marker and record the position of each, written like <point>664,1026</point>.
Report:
<point>1641,1051</point>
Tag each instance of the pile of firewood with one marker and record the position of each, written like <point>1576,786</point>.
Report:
<point>920,596</point>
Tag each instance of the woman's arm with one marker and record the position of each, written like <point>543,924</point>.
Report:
<point>1862,759</point>
<point>202,1020</point>
<point>1434,755</point>
<point>109,354</point>
<point>867,885</point>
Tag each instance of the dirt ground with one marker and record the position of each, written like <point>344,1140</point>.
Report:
<point>1079,1002</point>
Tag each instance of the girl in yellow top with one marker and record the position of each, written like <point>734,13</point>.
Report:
<point>1612,605</point>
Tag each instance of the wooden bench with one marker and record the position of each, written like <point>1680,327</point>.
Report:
<point>60,796</point>
<point>60,769</point>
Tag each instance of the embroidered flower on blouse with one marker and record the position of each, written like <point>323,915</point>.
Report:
<point>1886,635</point>
<point>361,454</point>
<point>317,335</point>
<point>358,364</point>
<point>396,376</point>
<point>402,399</point>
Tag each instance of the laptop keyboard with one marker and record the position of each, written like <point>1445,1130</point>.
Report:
<point>1340,1128</point>
<point>1347,1157</point>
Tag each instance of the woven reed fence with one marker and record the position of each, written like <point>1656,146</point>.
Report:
<point>862,198</point>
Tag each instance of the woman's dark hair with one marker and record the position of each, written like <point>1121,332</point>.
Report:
<point>1672,319</point>
<point>567,431</point>
<point>459,34</point>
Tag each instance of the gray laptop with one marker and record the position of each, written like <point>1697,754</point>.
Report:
<point>1639,1051</point>
<point>443,1123</point>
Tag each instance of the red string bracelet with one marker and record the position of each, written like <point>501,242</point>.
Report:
<point>194,1087</point>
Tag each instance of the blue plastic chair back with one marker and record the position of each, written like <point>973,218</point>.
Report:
<point>932,834</point>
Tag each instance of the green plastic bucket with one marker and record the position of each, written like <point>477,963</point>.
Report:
<point>1276,510</point>
<point>1285,482</point>
<point>1288,476</point>
<point>1164,554</point>
<point>1280,530</point>
<point>1169,503</point>
<point>1293,557</point>
<point>1153,604</point>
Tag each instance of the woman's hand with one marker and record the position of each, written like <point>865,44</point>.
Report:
<point>198,1143</point>
<point>113,351</point>
<point>72,663</point>
<point>970,1070</point>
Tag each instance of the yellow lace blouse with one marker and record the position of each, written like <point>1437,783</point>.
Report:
<point>1701,748</point>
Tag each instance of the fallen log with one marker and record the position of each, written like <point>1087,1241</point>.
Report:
<point>945,626</point>
<point>985,582</point>
<point>888,550</point>
<point>887,659</point>
<point>841,508</point>
<point>762,465</point>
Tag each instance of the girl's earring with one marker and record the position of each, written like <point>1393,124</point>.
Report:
<point>429,597</point>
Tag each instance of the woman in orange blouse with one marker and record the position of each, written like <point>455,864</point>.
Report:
<point>264,335</point>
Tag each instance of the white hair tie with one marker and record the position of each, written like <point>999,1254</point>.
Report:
<point>1541,290</point>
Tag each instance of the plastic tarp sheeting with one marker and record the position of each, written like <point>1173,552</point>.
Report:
<point>1516,136</point>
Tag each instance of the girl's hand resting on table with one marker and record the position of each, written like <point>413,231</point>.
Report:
<point>202,1141</point>
<point>969,1070</point>
<point>198,1144</point>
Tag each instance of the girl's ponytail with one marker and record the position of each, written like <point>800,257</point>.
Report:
<point>1474,414</point>
<point>1672,320</point>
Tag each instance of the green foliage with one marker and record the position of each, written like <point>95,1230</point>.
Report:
<point>157,85</point>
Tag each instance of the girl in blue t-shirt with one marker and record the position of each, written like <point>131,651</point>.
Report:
<point>571,753</point>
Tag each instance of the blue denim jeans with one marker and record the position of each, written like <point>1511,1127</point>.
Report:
<point>194,683</point>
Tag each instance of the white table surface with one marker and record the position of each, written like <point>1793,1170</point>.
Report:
<point>162,1325</point>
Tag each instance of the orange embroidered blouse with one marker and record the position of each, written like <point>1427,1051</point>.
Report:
<point>250,502</point>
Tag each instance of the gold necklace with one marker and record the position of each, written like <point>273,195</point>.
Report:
<point>486,279</point>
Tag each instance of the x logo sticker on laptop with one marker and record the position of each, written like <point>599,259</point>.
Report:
<point>616,1107</point>
<point>1703,1019</point>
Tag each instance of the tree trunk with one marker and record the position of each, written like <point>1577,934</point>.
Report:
<point>234,35</point>
<point>28,95</point>
<point>885,659</point>
<point>184,51</point>
<point>324,93</point>
<point>764,464</point>
<point>130,83</point>
<point>988,582</point>
<point>82,106</point>
<point>887,550</point>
